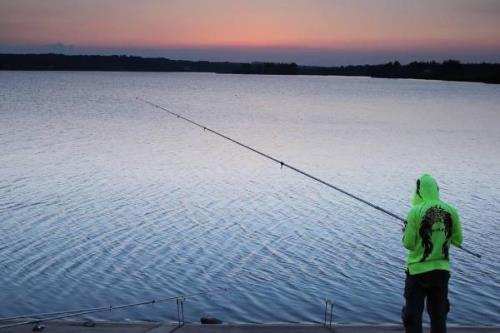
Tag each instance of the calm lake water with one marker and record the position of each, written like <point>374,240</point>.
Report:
<point>106,200</point>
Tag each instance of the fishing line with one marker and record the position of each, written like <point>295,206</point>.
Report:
<point>291,167</point>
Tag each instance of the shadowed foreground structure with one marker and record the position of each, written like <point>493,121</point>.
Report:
<point>450,70</point>
<point>157,327</point>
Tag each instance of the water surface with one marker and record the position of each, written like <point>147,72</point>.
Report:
<point>106,200</point>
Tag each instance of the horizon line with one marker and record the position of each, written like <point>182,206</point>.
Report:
<point>304,55</point>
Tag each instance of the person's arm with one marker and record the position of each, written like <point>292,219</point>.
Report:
<point>410,231</point>
<point>456,236</point>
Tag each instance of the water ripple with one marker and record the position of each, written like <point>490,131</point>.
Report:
<point>104,200</point>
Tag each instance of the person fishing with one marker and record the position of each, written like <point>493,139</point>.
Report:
<point>431,227</point>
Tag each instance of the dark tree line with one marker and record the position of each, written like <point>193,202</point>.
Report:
<point>451,70</point>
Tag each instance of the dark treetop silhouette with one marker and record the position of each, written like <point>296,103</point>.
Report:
<point>450,70</point>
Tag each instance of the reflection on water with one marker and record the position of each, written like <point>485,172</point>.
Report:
<point>104,199</point>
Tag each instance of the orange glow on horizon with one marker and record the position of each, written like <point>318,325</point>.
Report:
<point>315,24</point>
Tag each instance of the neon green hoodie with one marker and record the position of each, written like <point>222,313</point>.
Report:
<point>431,226</point>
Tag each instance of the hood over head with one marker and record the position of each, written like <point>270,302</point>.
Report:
<point>427,190</point>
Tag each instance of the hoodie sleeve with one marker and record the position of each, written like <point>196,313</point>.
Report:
<point>410,231</point>
<point>457,236</point>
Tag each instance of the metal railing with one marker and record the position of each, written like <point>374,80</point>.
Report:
<point>38,318</point>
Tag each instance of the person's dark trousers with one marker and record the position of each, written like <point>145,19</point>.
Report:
<point>432,285</point>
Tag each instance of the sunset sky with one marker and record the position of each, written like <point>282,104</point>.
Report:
<point>324,32</point>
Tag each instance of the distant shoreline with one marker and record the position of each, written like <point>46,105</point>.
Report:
<point>450,70</point>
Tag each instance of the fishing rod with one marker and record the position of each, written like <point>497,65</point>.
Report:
<point>79,312</point>
<point>291,167</point>
<point>46,314</point>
